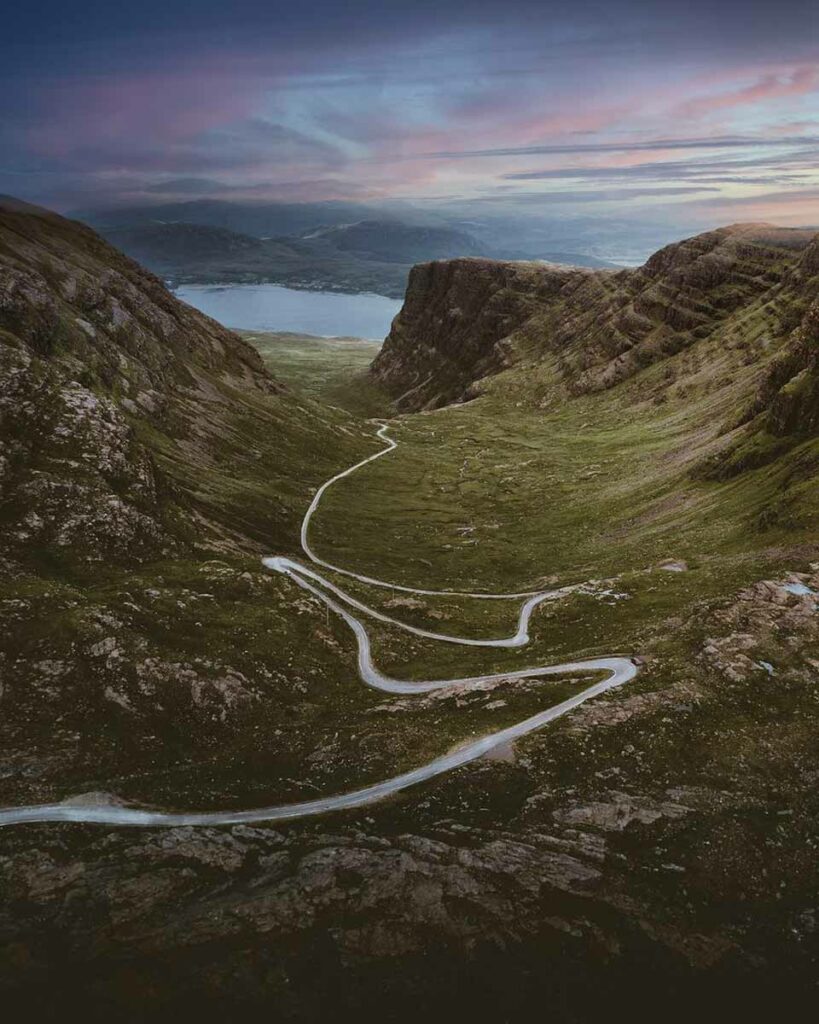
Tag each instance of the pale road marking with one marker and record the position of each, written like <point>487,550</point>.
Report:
<point>619,671</point>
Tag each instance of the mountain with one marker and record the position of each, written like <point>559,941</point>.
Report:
<point>366,256</point>
<point>182,244</point>
<point>259,219</point>
<point>135,432</point>
<point>363,257</point>
<point>199,253</point>
<point>453,326</point>
<point>107,379</point>
<point>395,242</point>
<point>333,246</point>
<point>643,445</point>
<point>499,235</point>
<point>93,348</point>
<point>466,319</point>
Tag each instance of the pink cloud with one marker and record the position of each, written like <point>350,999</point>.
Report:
<point>800,82</point>
<point>149,108</point>
<point>212,115</point>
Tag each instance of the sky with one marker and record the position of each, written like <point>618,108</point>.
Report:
<point>693,113</point>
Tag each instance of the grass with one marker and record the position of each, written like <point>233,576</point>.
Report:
<point>598,487</point>
<point>329,370</point>
<point>522,489</point>
<point>516,490</point>
<point>498,499</point>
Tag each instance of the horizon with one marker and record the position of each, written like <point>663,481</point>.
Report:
<point>623,112</point>
<point>383,215</point>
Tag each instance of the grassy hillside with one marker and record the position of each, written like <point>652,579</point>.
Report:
<point>660,839</point>
<point>466,319</point>
<point>331,370</point>
<point>149,459</point>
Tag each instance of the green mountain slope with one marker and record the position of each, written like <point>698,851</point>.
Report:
<point>660,840</point>
<point>141,441</point>
<point>120,401</point>
<point>462,321</point>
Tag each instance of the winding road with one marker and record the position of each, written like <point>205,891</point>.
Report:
<point>618,670</point>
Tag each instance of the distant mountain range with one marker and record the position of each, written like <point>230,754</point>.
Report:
<point>326,246</point>
<point>258,219</point>
<point>202,254</point>
<point>396,242</point>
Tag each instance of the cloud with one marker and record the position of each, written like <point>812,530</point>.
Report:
<point>378,98</point>
<point>594,196</point>
<point>769,87</point>
<point>183,186</point>
<point>788,196</point>
<point>799,207</point>
<point>770,169</point>
<point>624,146</point>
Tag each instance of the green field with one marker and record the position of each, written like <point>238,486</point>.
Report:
<point>502,494</point>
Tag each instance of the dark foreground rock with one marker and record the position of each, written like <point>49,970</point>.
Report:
<point>661,856</point>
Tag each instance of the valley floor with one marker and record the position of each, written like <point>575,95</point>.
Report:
<point>657,843</point>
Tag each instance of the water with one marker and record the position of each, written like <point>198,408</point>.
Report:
<point>798,588</point>
<point>270,307</point>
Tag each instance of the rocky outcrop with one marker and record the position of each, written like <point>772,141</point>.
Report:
<point>99,363</point>
<point>457,323</point>
<point>467,319</point>
<point>784,409</point>
<point>73,475</point>
<point>792,386</point>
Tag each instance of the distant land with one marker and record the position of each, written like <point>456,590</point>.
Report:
<point>316,246</point>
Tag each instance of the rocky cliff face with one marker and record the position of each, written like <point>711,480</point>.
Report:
<point>457,323</point>
<point>782,411</point>
<point>101,371</point>
<point>467,319</point>
<point>69,296</point>
<point>795,406</point>
<point>790,395</point>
